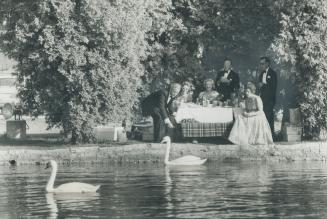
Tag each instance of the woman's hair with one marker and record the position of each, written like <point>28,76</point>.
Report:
<point>251,87</point>
<point>187,83</point>
<point>210,81</point>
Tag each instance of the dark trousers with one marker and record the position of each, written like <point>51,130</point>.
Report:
<point>160,129</point>
<point>268,109</point>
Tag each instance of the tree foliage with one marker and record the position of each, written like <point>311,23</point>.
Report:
<point>241,30</point>
<point>79,61</point>
<point>302,43</point>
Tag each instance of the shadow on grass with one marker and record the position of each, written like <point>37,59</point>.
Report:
<point>45,140</point>
<point>206,140</point>
<point>57,140</point>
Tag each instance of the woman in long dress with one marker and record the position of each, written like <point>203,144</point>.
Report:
<point>251,127</point>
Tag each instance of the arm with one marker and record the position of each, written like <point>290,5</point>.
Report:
<point>162,106</point>
<point>200,98</point>
<point>215,95</point>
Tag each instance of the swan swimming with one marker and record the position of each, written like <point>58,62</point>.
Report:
<point>186,160</point>
<point>74,187</point>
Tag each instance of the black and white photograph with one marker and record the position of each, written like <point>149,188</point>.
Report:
<point>149,109</point>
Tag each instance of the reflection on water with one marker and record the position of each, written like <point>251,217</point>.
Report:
<point>216,190</point>
<point>71,201</point>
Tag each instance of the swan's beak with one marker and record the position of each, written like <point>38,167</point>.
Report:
<point>47,166</point>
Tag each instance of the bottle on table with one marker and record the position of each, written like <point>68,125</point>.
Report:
<point>204,101</point>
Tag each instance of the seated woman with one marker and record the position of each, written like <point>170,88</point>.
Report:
<point>186,95</point>
<point>209,94</point>
<point>251,127</point>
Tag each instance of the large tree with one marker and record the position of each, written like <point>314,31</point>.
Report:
<point>302,44</point>
<point>79,61</point>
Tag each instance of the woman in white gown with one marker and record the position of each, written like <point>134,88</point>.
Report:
<point>251,127</point>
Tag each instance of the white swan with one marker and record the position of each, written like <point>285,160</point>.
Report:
<point>186,160</point>
<point>74,187</point>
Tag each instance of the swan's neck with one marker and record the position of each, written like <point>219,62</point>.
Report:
<point>167,152</point>
<point>52,178</point>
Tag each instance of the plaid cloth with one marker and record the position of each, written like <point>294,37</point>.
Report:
<point>196,129</point>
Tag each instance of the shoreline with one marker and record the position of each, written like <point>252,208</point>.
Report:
<point>141,152</point>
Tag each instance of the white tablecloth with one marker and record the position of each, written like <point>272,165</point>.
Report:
<point>204,114</point>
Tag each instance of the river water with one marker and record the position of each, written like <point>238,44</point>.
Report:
<point>216,190</point>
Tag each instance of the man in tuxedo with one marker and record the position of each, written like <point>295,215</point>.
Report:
<point>267,90</point>
<point>227,80</point>
<point>159,105</point>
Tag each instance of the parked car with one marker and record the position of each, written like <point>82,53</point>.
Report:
<point>8,95</point>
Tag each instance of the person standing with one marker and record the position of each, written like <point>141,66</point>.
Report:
<point>227,80</point>
<point>267,90</point>
<point>159,105</point>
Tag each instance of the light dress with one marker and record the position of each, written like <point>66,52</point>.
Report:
<point>208,95</point>
<point>252,130</point>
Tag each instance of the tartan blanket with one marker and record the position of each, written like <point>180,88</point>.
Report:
<point>196,129</point>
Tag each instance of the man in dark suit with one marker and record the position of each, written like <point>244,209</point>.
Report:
<point>227,80</point>
<point>267,90</point>
<point>159,105</point>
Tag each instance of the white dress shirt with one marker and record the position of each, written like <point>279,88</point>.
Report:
<point>226,74</point>
<point>264,76</point>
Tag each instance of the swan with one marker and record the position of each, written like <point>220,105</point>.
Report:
<point>186,160</point>
<point>74,187</point>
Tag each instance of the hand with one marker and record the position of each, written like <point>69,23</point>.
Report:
<point>224,80</point>
<point>170,125</point>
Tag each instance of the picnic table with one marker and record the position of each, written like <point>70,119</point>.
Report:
<point>199,121</point>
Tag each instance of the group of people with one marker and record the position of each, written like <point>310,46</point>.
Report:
<point>254,126</point>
